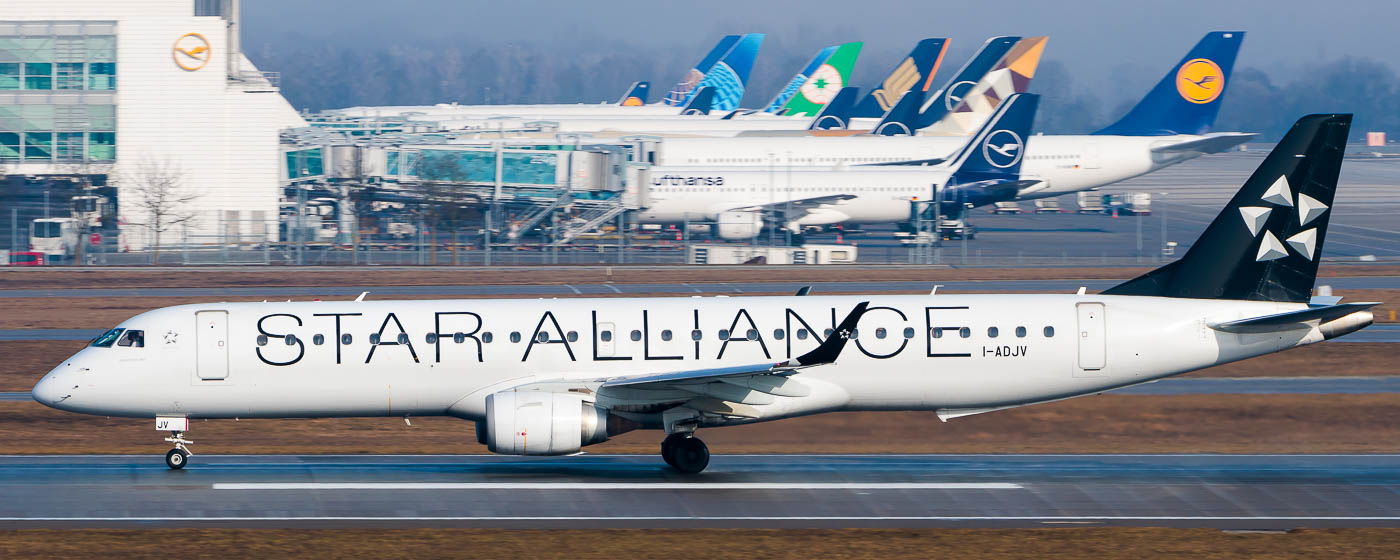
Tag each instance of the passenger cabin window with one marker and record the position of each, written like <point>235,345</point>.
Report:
<point>778,334</point>
<point>801,334</point>
<point>908,333</point>
<point>374,338</point>
<point>695,334</point>
<point>542,337</point>
<point>965,332</point>
<point>403,338</point>
<point>1049,332</point>
<point>724,334</point>
<point>515,337</point>
<point>752,334</point>
<point>605,336</point>
<point>290,339</point>
<point>346,339</point>
<point>573,336</point>
<point>133,338</point>
<point>1020,332</point>
<point>108,338</point>
<point>992,332</point>
<point>262,340</point>
<point>430,338</point>
<point>486,337</point>
<point>666,335</point>
<point>636,335</point>
<point>318,339</point>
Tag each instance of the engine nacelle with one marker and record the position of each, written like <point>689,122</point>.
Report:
<point>544,423</point>
<point>736,225</point>
<point>1345,324</point>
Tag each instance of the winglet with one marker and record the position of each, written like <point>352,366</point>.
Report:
<point>831,347</point>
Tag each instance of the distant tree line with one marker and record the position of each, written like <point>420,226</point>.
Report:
<point>327,77</point>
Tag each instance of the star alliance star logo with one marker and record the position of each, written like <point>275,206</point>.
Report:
<point>170,337</point>
<point>1280,194</point>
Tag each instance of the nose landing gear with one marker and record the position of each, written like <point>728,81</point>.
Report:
<point>177,458</point>
<point>685,452</point>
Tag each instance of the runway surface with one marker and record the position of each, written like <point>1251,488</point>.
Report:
<point>1186,386</point>
<point>1225,491</point>
<point>679,289</point>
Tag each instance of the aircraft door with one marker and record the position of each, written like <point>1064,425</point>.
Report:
<point>1093,340</point>
<point>211,344</point>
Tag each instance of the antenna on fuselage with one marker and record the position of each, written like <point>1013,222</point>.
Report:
<point>362,296</point>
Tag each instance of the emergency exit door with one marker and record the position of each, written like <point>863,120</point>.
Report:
<point>211,344</point>
<point>1093,339</point>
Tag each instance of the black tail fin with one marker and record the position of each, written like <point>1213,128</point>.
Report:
<point>1265,244</point>
<point>836,115</point>
<point>700,103</point>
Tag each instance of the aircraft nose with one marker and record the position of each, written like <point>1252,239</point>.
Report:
<point>49,391</point>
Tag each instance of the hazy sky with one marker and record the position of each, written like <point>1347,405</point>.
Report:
<point>1097,40</point>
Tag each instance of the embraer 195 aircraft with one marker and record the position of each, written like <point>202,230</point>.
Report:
<point>550,376</point>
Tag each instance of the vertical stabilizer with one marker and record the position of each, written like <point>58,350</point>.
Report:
<point>836,115</point>
<point>952,92</point>
<point>825,82</point>
<point>914,72</point>
<point>1188,98</point>
<point>1012,74</point>
<point>729,76</point>
<point>701,103</point>
<point>636,95</point>
<point>899,121</point>
<point>797,80</point>
<point>681,92</point>
<point>1266,243</point>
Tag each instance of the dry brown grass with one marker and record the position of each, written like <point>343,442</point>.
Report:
<point>106,277</point>
<point>1097,424</point>
<point>742,544</point>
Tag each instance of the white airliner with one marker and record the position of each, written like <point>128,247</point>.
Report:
<point>550,376</point>
<point>740,198</point>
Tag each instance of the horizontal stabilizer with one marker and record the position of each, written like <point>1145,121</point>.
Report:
<point>1291,319</point>
<point>1210,144</point>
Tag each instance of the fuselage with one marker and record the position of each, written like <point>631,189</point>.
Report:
<point>948,353</point>
<point>697,179</point>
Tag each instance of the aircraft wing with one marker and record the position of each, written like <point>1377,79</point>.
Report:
<point>800,206</point>
<point>823,354</point>
<point>1209,144</point>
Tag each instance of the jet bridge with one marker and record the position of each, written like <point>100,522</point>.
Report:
<point>566,183</point>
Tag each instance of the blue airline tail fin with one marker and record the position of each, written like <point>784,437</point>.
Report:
<point>701,102</point>
<point>799,79</point>
<point>681,92</point>
<point>730,75</point>
<point>1188,98</point>
<point>900,120</point>
<point>914,72</point>
<point>836,115</point>
<point>996,151</point>
<point>948,97</point>
<point>636,95</point>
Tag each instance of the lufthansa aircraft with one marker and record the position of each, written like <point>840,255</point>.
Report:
<point>550,376</point>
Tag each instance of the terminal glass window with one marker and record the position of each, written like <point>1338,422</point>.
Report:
<point>38,75</point>
<point>68,75</point>
<point>69,146</point>
<point>102,146</point>
<point>9,146</point>
<point>38,146</point>
<point>102,76</point>
<point>9,75</point>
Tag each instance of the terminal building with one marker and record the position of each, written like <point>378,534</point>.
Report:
<point>147,97</point>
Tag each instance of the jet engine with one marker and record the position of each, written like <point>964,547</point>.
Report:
<point>544,423</point>
<point>1346,324</point>
<point>736,225</point>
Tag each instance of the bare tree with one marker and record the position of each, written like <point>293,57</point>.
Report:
<point>153,191</point>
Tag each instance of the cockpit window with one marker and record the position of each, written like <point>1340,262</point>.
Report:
<point>107,338</point>
<point>133,338</point>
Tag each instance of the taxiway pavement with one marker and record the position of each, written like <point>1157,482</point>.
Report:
<point>1225,491</point>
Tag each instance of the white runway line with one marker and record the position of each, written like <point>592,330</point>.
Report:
<point>616,486</point>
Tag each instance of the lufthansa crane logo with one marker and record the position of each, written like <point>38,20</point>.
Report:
<point>1002,148</point>
<point>1200,81</point>
<point>191,52</point>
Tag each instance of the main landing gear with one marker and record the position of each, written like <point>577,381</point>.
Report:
<point>685,452</point>
<point>177,457</point>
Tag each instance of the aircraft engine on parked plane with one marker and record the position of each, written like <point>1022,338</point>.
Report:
<point>737,225</point>
<point>545,423</point>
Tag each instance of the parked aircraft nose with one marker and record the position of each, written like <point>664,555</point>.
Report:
<point>50,391</point>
